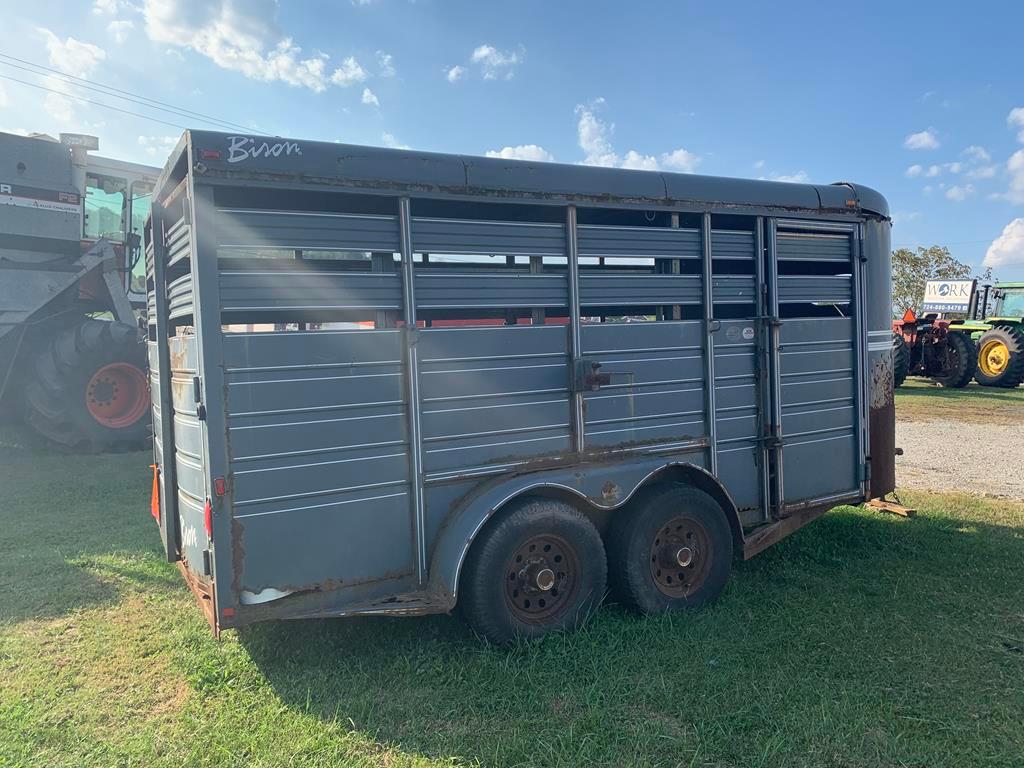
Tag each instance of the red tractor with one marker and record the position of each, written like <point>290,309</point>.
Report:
<point>928,346</point>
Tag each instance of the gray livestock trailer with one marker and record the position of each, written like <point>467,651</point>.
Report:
<point>388,381</point>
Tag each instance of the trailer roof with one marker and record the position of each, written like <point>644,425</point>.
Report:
<point>263,159</point>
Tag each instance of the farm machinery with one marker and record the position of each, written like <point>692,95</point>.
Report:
<point>72,359</point>
<point>996,323</point>
<point>931,347</point>
<point>987,344</point>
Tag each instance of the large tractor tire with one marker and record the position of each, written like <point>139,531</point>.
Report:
<point>961,361</point>
<point>1001,357</point>
<point>900,359</point>
<point>87,390</point>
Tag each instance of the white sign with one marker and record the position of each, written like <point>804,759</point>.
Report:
<point>947,295</point>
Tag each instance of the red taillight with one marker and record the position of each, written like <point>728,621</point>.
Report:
<point>208,519</point>
<point>210,154</point>
<point>154,499</point>
<point>219,486</point>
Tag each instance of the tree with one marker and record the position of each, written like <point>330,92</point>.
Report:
<point>912,269</point>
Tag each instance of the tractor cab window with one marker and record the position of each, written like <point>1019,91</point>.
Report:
<point>106,206</point>
<point>141,202</point>
<point>1012,303</point>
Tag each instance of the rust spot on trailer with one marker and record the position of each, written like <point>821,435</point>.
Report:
<point>882,383</point>
<point>610,492</point>
<point>237,555</point>
<point>203,593</point>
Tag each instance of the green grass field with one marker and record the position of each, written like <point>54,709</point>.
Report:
<point>863,640</point>
<point>923,399</point>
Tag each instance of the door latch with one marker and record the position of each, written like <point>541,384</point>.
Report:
<point>589,376</point>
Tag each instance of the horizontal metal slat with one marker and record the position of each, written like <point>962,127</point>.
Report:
<point>728,244</point>
<point>305,289</point>
<point>639,242</point>
<point>253,228</point>
<point>461,236</point>
<point>813,247</point>
<point>815,288</point>
<point>733,289</point>
<point>179,297</point>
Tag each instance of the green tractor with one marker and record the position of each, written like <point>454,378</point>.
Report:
<point>998,334</point>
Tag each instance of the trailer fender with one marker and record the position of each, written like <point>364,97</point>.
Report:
<point>600,489</point>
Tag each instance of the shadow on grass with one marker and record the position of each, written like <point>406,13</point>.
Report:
<point>833,636</point>
<point>75,530</point>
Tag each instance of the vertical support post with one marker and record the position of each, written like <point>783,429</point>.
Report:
<point>412,389</point>
<point>709,346</point>
<point>677,311</point>
<point>163,396</point>
<point>575,333</point>
<point>763,365</point>
<point>776,364</point>
<point>209,341</point>
<point>860,338</point>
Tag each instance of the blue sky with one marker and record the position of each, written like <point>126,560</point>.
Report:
<point>916,100</point>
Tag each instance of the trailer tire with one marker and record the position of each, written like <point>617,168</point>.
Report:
<point>900,359</point>
<point>87,390</point>
<point>538,567</point>
<point>1001,357</point>
<point>671,551</point>
<point>962,363</point>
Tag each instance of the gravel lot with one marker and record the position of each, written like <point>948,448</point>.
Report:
<point>956,456</point>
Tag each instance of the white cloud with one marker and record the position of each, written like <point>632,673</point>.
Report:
<point>1015,167</point>
<point>680,160</point>
<point>1008,248</point>
<point>158,146</point>
<point>592,134</point>
<point>982,172</point>
<point>390,141</point>
<point>913,171</point>
<point>456,73</point>
<point>109,7</point>
<point>119,29</point>
<point>531,152</point>
<point>800,177</point>
<point>933,171</point>
<point>348,73</point>
<point>370,98</point>
<point>496,64</point>
<point>1016,120</point>
<point>900,217</point>
<point>242,37</point>
<point>594,138</point>
<point>385,64</point>
<point>922,140</point>
<point>759,165</point>
<point>959,193</point>
<point>59,108</point>
<point>72,56</point>
<point>977,154</point>
<point>639,162</point>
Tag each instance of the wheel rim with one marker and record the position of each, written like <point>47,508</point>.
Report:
<point>541,578</point>
<point>993,357</point>
<point>680,556</point>
<point>116,395</point>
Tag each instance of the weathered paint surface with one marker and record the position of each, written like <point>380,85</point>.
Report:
<point>750,360</point>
